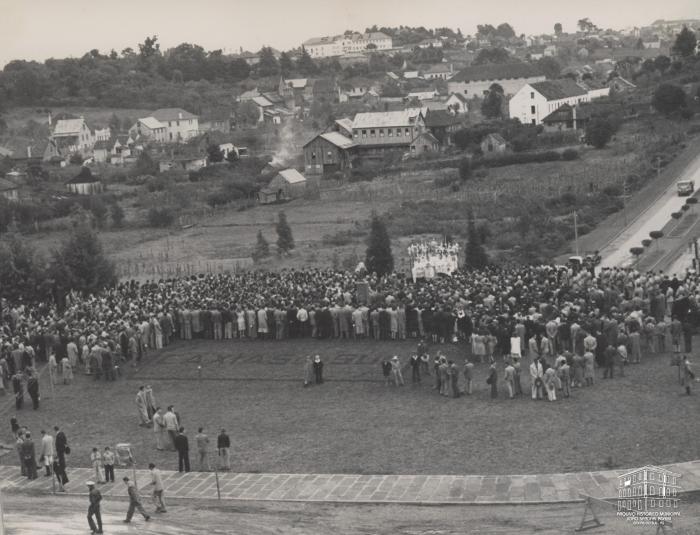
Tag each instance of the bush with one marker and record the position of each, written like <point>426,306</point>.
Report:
<point>656,234</point>
<point>612,190</point>
<point>685,207</point>
<point>598,132</point>
<point>569,155</point>
<point>691,200</point>
<point>155,184</point>
<point>646,242</point>
<point>636,251</point>
<point>161,217</point>
<point>76,159</point>
<point>676,215</point>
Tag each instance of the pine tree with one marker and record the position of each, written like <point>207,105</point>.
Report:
<point>476,257</point>
<point>262,248</point>
<point>685,43</point>
<point>378,257</point>
<point>285,240</point>
<point>80,264</point>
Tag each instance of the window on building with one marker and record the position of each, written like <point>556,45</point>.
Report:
<point>651,490</point>
<point>364,133</point>
<point>355,134</point>
<point>652,502</point>
<point>534,121</point>
<point>465,91</point>
<point>532,110</point>
<point>390,132</point>
<point>381,132</point>
<point>407,131</point>
<point>651,476</point>
<point>532,94</point>
<point>178,123</point>
<point>330,154</point>
<point>371,133</point>
<point>313,155</point>
<point>398,132</point>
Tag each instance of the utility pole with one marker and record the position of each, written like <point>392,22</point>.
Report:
<point>576,232</point>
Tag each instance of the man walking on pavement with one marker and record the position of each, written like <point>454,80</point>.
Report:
<point>47,451</point>
<point>134,501</point>
<point>95,498</point>
<point>157,482</point>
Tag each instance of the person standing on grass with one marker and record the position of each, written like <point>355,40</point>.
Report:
<point>415,369</point>
<point>203,450</point>
<point>159,429</point>
<point>158,488</point>
<point>454,378</point>
<point>396,374</point>
<point>589,368</point>
<point>318,369</point>
<point>141,407</point>
<point>95,498</point>
<point>687,376</point>
<point>386,372</point>
<point>108,462</point>
<point>609,356</point>
<point>468,376</point>
<point>171,426</point>
<point>134,501</point>
<point>308,371</point>
<point>150,399</point>
<point>565,377</point>
<point>550,384</point>
<point>223,445</point>
<point>492,380</point>
<point>509,379</point>
<point>536,375</point>
<point>18,388</point>
<point>33,389</point>
<point>66,371</point>
<point>517,386</point>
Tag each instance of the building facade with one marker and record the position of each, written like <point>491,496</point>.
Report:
<point>536,101</point>
<point>327,154</point>
<point>476,80</point>
<point>347,43</point>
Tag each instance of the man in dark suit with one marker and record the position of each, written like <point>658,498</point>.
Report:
<point>183,451</point>
<point>61,443</point>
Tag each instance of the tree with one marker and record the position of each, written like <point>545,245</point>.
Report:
<point>306,65</point>
<point>117,214</point>
<point>248,113</point>
<point>262,248</point>
<point>585,25</point>
<point>475,254</point>
<point>378,257</point>
<point>668,99</point>
<point>465,169</point>
<point>550,67</point>
<point>20,273</point>
<point>492,106</point>
<point>115,124</point>
<point>214,153</point>
<point>685,43</point>
<point>558,30</point>
<point>492,55</point>
<point>268,64</point>
<point>285,240</point>
<point>505,31</point>
<point>286,65</point>
<point>598,132</point>
<point>81,265</point>
<point>145,165</point>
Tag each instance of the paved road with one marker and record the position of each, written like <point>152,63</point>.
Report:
<point>655,217</point>
<point>65,515</point>
<point>355,488</point>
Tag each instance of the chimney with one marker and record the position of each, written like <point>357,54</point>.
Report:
<point>50,122</point>
<point>29,151</point>
<point>179,115</point>
<point>573,111</point>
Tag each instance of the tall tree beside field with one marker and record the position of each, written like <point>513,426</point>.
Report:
<point>558,30</point>
<point>20,273</point>
<point>492,106</point>
<point>268,65</point>
<point>599,132</point>
<point>685,43</point>
<point>285,240</point>
<point>378,257</point>
<point>668,99</point>
<point>80,263</point>
<point>474,252</point>
<point>262,248</point>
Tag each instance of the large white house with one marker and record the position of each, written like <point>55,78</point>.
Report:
<point>73,135</point>
<point>167,125</point>
<point>476,80</point>
<point>349,42</point>
<point>535,101</point>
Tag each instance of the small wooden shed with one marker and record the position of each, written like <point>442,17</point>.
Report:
<point>285,185</point>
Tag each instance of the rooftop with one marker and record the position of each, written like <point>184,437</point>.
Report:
<point>385,119</point>
<point>292,176</point>
<point>151,123</point>
<point>68,127</point>
<point>558,89</point>
<point>437,118</point>
<point>172,114</point>
<point>337,139</point>
<point>496,71</point>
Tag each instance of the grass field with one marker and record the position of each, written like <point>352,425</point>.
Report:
<point>353,423</point>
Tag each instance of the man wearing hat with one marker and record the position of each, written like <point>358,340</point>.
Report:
<point>95,498</point>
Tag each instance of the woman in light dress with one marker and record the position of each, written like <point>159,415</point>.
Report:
<point>479,346</point>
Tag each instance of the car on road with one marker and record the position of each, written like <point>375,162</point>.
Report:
<point>685,188</point>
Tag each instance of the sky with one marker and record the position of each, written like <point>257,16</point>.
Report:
<point>40,29</point>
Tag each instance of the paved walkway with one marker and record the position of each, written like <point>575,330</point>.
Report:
<point>518,489</point>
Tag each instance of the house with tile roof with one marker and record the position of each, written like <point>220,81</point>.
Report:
<point>442,124</point>
<point>180,124</point>
<point>536,101</point>
<point>567,117</point>
<point>149,128</point>
<point>477,79</point>
<point>73,135</point>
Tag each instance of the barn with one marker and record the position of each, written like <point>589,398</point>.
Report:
<point>286,185</point>
<point>327,153</point>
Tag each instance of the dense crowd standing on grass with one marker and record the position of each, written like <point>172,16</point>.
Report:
<point>540,311</point>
